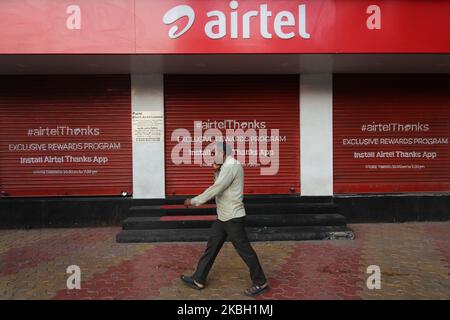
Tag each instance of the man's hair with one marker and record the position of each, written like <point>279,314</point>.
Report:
<point>225,147</point>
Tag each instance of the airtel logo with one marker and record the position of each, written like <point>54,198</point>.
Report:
<point>286,24</point>
<point>176,14</point>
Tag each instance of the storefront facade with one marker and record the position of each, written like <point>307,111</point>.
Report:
<point>109,103</point>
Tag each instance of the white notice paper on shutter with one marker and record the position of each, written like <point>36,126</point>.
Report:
<point>148,126</point>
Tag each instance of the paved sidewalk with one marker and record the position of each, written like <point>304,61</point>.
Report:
<point>414,259</point>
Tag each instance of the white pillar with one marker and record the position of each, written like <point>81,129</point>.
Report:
<point>147,94</point>
<point>316,134</point>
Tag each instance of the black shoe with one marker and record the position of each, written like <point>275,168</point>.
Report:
<point>190,282</point>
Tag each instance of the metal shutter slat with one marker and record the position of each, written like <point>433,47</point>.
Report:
<point>274,99</point>
<point>361,99</point>
<point>102,101</point>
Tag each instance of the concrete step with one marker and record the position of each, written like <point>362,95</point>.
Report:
<point>254,234</point>
<point>248,199</point>
<point>251,209</point>
<point>204,221</point>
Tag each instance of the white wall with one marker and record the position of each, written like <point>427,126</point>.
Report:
<point>147,94</point>
<point>316,134</point>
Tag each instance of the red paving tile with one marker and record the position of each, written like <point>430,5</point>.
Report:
<point>317,271</point>
<point>440,235</point>
<point>30,255</point>
<point>140,278</point>
<point>308,270</point>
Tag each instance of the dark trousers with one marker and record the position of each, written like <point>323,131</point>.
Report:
<point>236,233</point>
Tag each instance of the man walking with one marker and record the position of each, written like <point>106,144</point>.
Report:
<point>228,191</point>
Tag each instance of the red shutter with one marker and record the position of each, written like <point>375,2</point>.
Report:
<point>270,99</point>
<point>77,103</point>
<point>391,99</point>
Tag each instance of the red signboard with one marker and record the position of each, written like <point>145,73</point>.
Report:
<point>66,26</point>
<point>65,135</point>
<point>391,133</point>
<point>238,26</point>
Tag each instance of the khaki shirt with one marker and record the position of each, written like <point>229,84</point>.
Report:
<point>228,189</point>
